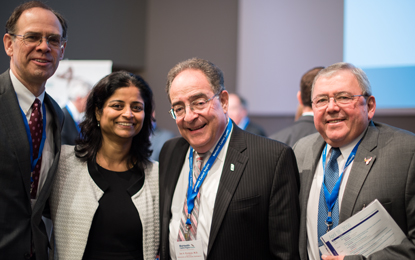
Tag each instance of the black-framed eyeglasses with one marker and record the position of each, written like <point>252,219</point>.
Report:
<point>198,105</point>
<point>342,98</point>
<point>35,39</point>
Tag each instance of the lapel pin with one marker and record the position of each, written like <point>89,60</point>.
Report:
<point>367,161</point>
<point>232,167</point>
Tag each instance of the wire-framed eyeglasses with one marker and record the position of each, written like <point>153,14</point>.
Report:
<point>342,98</point>
<point>198,105</point>
<point>35,39</point>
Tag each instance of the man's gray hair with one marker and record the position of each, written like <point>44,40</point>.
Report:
<point>357,72</point>
<point>213,74</point>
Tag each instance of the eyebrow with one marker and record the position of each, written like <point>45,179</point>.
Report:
<point>121,101</point>
<point>191,99</point>
<point>31,32</point>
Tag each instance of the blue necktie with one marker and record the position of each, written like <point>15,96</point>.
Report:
<point>331,177</point>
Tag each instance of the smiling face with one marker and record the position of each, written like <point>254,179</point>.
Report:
<point>122,115</point>
<point>201,129</point>
<point>34,65</point>
<point>340,125</point>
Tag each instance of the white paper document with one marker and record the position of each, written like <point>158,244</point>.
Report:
<point>366,232</point>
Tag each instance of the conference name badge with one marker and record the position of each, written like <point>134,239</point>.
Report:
<point>190,250</point>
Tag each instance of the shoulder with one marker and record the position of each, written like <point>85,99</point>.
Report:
<point>255,129</point>
<point>152,170</point>
<point>305,144</point>
<point>257,146</point>
<point>5,82</point>
<point>174,145</point>
<point>68,160</point>
<point>392,136</point>
<point>283,134</point>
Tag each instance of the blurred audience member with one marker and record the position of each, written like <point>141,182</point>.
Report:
<point>158,138</point>
<point>74,110</point>
<point>238,112</point>
<point>304,125</point>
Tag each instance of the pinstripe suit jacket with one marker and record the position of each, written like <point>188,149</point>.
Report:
<point>389,177</point>
<point>256,210</point>
<point>18,222</point>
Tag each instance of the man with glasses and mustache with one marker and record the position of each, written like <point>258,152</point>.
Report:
<point>224,193</point>
<point>30,126</point>
<point>351,162</point>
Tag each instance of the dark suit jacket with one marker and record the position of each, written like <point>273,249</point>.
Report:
<point>18,222</point>
<point>388,177</point>
<point>69,130</point>
<point>255,129</point>
<point>302,127</point>
<point>256,210</point>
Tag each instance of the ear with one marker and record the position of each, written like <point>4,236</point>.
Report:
<point>97,114</point>
<point>371,107</point>
<point>62,54</point>
<point>224,100</point>
<point>8,44</point>
<point>299,98</point>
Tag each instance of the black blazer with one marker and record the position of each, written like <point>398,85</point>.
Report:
<point>18,222</point>
<point>302,127</point>
<point>69,130</point>
<point>256,214</point>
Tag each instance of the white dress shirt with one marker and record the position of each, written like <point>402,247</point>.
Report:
<point>208,192</point>
<point>26,99</point>
<point>313,200</point>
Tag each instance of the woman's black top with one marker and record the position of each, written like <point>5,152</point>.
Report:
<point>116,231</point>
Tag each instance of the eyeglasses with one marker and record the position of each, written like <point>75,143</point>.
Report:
<point>35,39</point>
<point>196,106</point>
<point>340,99</point>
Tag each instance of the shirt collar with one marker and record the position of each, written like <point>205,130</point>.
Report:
<point>348,148</point>
<point>24,96</point>
<point>308,114</point>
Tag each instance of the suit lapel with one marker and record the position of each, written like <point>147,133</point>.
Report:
<point>359,172</point>
<point>12,122</point>
<point>178,158</point>
<point>56,129</point>
<point>229,180</point>
<point>308,175</point>
<point>168,180</point>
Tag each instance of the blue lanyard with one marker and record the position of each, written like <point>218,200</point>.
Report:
<point>76,123</point>
<point>332,198</point>
<point>193,191</point>
<point>33,161</point>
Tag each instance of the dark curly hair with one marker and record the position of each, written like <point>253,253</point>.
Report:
<point>91,137</point>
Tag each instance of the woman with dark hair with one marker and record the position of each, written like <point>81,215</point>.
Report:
<point>104,202</point>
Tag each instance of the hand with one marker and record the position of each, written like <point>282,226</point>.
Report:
<point>329,257</point>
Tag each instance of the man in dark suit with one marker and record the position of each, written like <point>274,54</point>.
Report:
<point>383,167</point>
<point>305,124</point>
<point>238,112</point>
<point>35,42</point>
<point>247,205</point>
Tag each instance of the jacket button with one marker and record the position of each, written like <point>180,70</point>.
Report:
<point>27,255</point>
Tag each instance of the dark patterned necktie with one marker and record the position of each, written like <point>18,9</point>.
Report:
<point>36,131</point>
<point>189,232</point>
<point>331,177</point>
